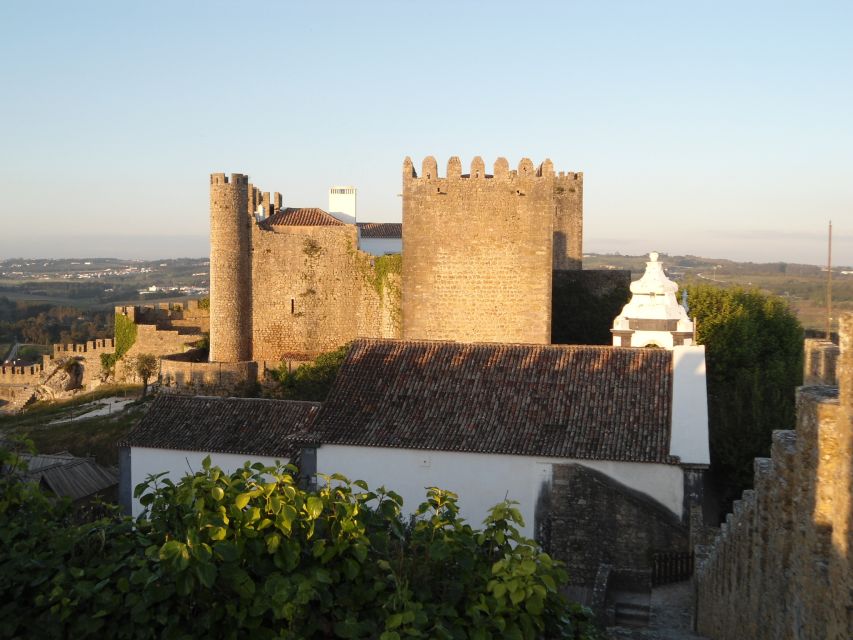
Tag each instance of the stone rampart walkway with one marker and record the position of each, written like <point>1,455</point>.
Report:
<point>670,616</point>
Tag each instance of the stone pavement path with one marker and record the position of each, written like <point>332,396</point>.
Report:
<point>670,616</point>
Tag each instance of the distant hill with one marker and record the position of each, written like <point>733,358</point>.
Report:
<point>802,285</point>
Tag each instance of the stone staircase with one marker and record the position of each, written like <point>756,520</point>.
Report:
<point>665,614</point>
<point>632,614</point>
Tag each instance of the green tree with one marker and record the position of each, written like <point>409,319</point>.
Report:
<point>145,366</point>
<point>311,381</point>
<point>251,554</point>
<point>754,350</point>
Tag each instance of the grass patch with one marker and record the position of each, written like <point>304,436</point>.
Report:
<point>89,437</point>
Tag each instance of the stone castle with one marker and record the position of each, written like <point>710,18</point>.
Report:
<point>480,253</point>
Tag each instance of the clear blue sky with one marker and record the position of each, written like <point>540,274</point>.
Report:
<point>714,128</point>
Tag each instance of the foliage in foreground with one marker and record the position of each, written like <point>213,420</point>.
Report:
<point>754,346</point>
<point>252,555</point>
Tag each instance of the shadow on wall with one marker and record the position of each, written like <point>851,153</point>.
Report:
<point>584,304</point>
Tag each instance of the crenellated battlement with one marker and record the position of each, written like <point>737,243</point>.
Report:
<point>500,171</point>
<point>21,374</point>
<point>104,345</point>
<point>236,179</point>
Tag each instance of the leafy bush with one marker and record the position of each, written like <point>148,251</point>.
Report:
<point>754,349</point>
<point>252,555</point>
<point>311,381</point>
<point>125,337</point>
<point>125,334</point>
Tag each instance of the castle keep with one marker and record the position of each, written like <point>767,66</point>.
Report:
<point>480,249</point>
<point>480,252</point>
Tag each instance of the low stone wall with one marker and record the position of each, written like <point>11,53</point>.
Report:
<point>19,375</point>
<point>205,378</point>
<point>781,564</point>
<point>169,315</point>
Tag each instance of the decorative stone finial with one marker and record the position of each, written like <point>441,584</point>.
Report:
<point>653,316</point>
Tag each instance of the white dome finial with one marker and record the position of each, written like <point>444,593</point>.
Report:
<point>654,256</point>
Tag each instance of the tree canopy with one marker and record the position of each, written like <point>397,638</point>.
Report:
<point>754,351</point>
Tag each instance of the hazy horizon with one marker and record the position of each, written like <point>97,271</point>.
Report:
<point>198,247</point>
<point>719,130</point>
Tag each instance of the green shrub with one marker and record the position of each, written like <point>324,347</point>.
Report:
<point>311,381</point>
<point>252,555</point>
<point>125,337</point>
<point>125,334</point>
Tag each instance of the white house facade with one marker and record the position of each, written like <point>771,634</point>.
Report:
<point>483,480</point>
<point>178,432</point>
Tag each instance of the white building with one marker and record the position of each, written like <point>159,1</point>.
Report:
<point>653,317</point>
<point>489,421</point>
<point>380,238</point>
<point>342,203</point>
<point>178,432</point>
<point>603,448</point>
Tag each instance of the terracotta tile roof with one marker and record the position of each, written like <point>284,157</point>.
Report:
<point>583,402</point>
<point>308,217</point>
<point>381,229</point>
<point>222,425</point>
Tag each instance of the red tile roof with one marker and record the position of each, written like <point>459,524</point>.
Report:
<point>381,229</point>
<point>582,402</point>
<point>307,217</point>
<point>248,426</point>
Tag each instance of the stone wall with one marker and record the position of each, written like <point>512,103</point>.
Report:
<point>187,315</point>
<point>315,291</point>
<point>587,519</point>
<point>161,330</point>
<point>205,378</point>
<point>21,375</point>
<point>480,249</point>
<point>780,566</point>
<point>152,340</point>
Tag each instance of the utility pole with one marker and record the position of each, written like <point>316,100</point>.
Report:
<point>829,286</point>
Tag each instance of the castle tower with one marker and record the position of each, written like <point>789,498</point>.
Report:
<point>478,251</point>
<point>653,316</point>
<point>230,269</point>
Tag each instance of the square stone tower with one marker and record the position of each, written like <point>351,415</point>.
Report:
<point>480,249</point>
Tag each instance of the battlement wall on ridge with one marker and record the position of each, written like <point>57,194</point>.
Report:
<point>780,566</point>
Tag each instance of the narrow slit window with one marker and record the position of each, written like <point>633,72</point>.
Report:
<point>292,306</point>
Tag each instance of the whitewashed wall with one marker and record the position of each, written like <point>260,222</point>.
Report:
<point>381,246</point>
<point>483,480</point>
<point>145,462</point>
<point>689,437</point>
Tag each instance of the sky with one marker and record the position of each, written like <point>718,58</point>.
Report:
<point>720,129</point>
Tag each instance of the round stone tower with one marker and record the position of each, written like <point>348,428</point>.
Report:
<point>230,269</point>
